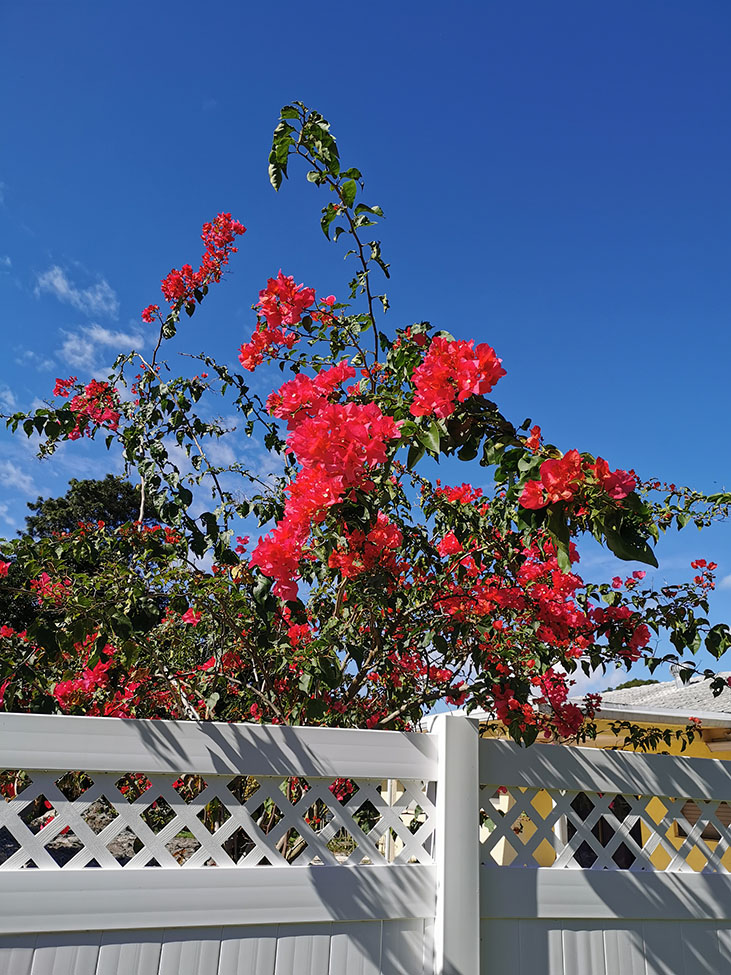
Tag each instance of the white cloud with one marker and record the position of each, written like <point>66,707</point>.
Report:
<point>7,398</point>
<point>30,358</point>
<point>725,583</point>
<point>3,187</point>
<point>13,476</point>
<point>98,299</point>
<point>80,349</point>
<point>219,453</point>
<point>8,519</point>
<point>5,264</point>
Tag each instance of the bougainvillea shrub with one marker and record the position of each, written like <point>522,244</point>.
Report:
<point>368,592</point>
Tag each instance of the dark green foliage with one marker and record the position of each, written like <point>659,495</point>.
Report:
<point>111,500</point>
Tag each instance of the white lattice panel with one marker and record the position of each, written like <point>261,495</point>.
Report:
<point>74,820</point>
<point>531,827</point>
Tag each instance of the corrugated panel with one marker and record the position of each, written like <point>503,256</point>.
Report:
<point>66,954</point>
<point>664,949</point>
<point>355,949</point>
<point>302,952</point>
<point>248,950</point>
<point>540,948</point>
<point>402,948</point>
<point>724,948</point>
<point>624,950</point>
<point>135,952</point>
<point>190,952</point>
<point>701,952</point>
<point>429,928</point>
<point>583,951</point>
<point>499,948</point>
<point>16,954</point>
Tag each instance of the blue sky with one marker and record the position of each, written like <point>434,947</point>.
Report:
<point>554,176</point>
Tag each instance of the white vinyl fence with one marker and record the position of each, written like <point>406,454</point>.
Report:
<point>604,863</point>
<point>176,848</point>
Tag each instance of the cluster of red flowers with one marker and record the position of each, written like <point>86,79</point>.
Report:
<point>305,396</point>
<point>464,494</point>
<point>335,448</point>
<point>137,532</point>
<point>50,590</point>
<point>554,687</point>
<point>179,287</point>
<point>705,579</point>
<point>364,551</point>
<point>562,478</point>
<point>281,303</point>
<point>336,443</point>
<point>97,405</point>
<point>453,371</point>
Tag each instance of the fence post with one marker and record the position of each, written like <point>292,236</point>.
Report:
<point>457,848</point>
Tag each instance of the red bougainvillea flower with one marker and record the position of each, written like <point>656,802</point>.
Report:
<point>533,496</point>
<point>283,302</point>
<point>561,477</point>
<point>50,590</point>
<point>452,371</point>
<point>618,484</point>
<point>533,442</point>
<point>191,616</point>
<point>336,444</point>
<point>364,552</point>
<point>464,494</point>
<point>4,566</point>
<point>449,545</point>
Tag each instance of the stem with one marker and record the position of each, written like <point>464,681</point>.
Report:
<point>354,234</point>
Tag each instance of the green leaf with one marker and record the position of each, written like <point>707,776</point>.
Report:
<point>492,453</point>
<point>468,452</point>
<point>718,639</point>
<point>431,437</point>
<point>348,191</point>
<point>289,111</point>
<point>328,215</point>
<point>416,452</point>
<point>628,545</point>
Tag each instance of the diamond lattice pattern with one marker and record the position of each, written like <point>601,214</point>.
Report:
<point>532,827</point>
<point>78,819</point>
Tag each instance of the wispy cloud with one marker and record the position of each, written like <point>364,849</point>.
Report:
<point>3,187</point>
<point>5,264</point>
<point>34,360</point>
<point>81,349</point>
<point>13,476</point>
<point>98,299</point>
<point>7,398</point>
<point>7,518</point>
<point>725,583</point>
